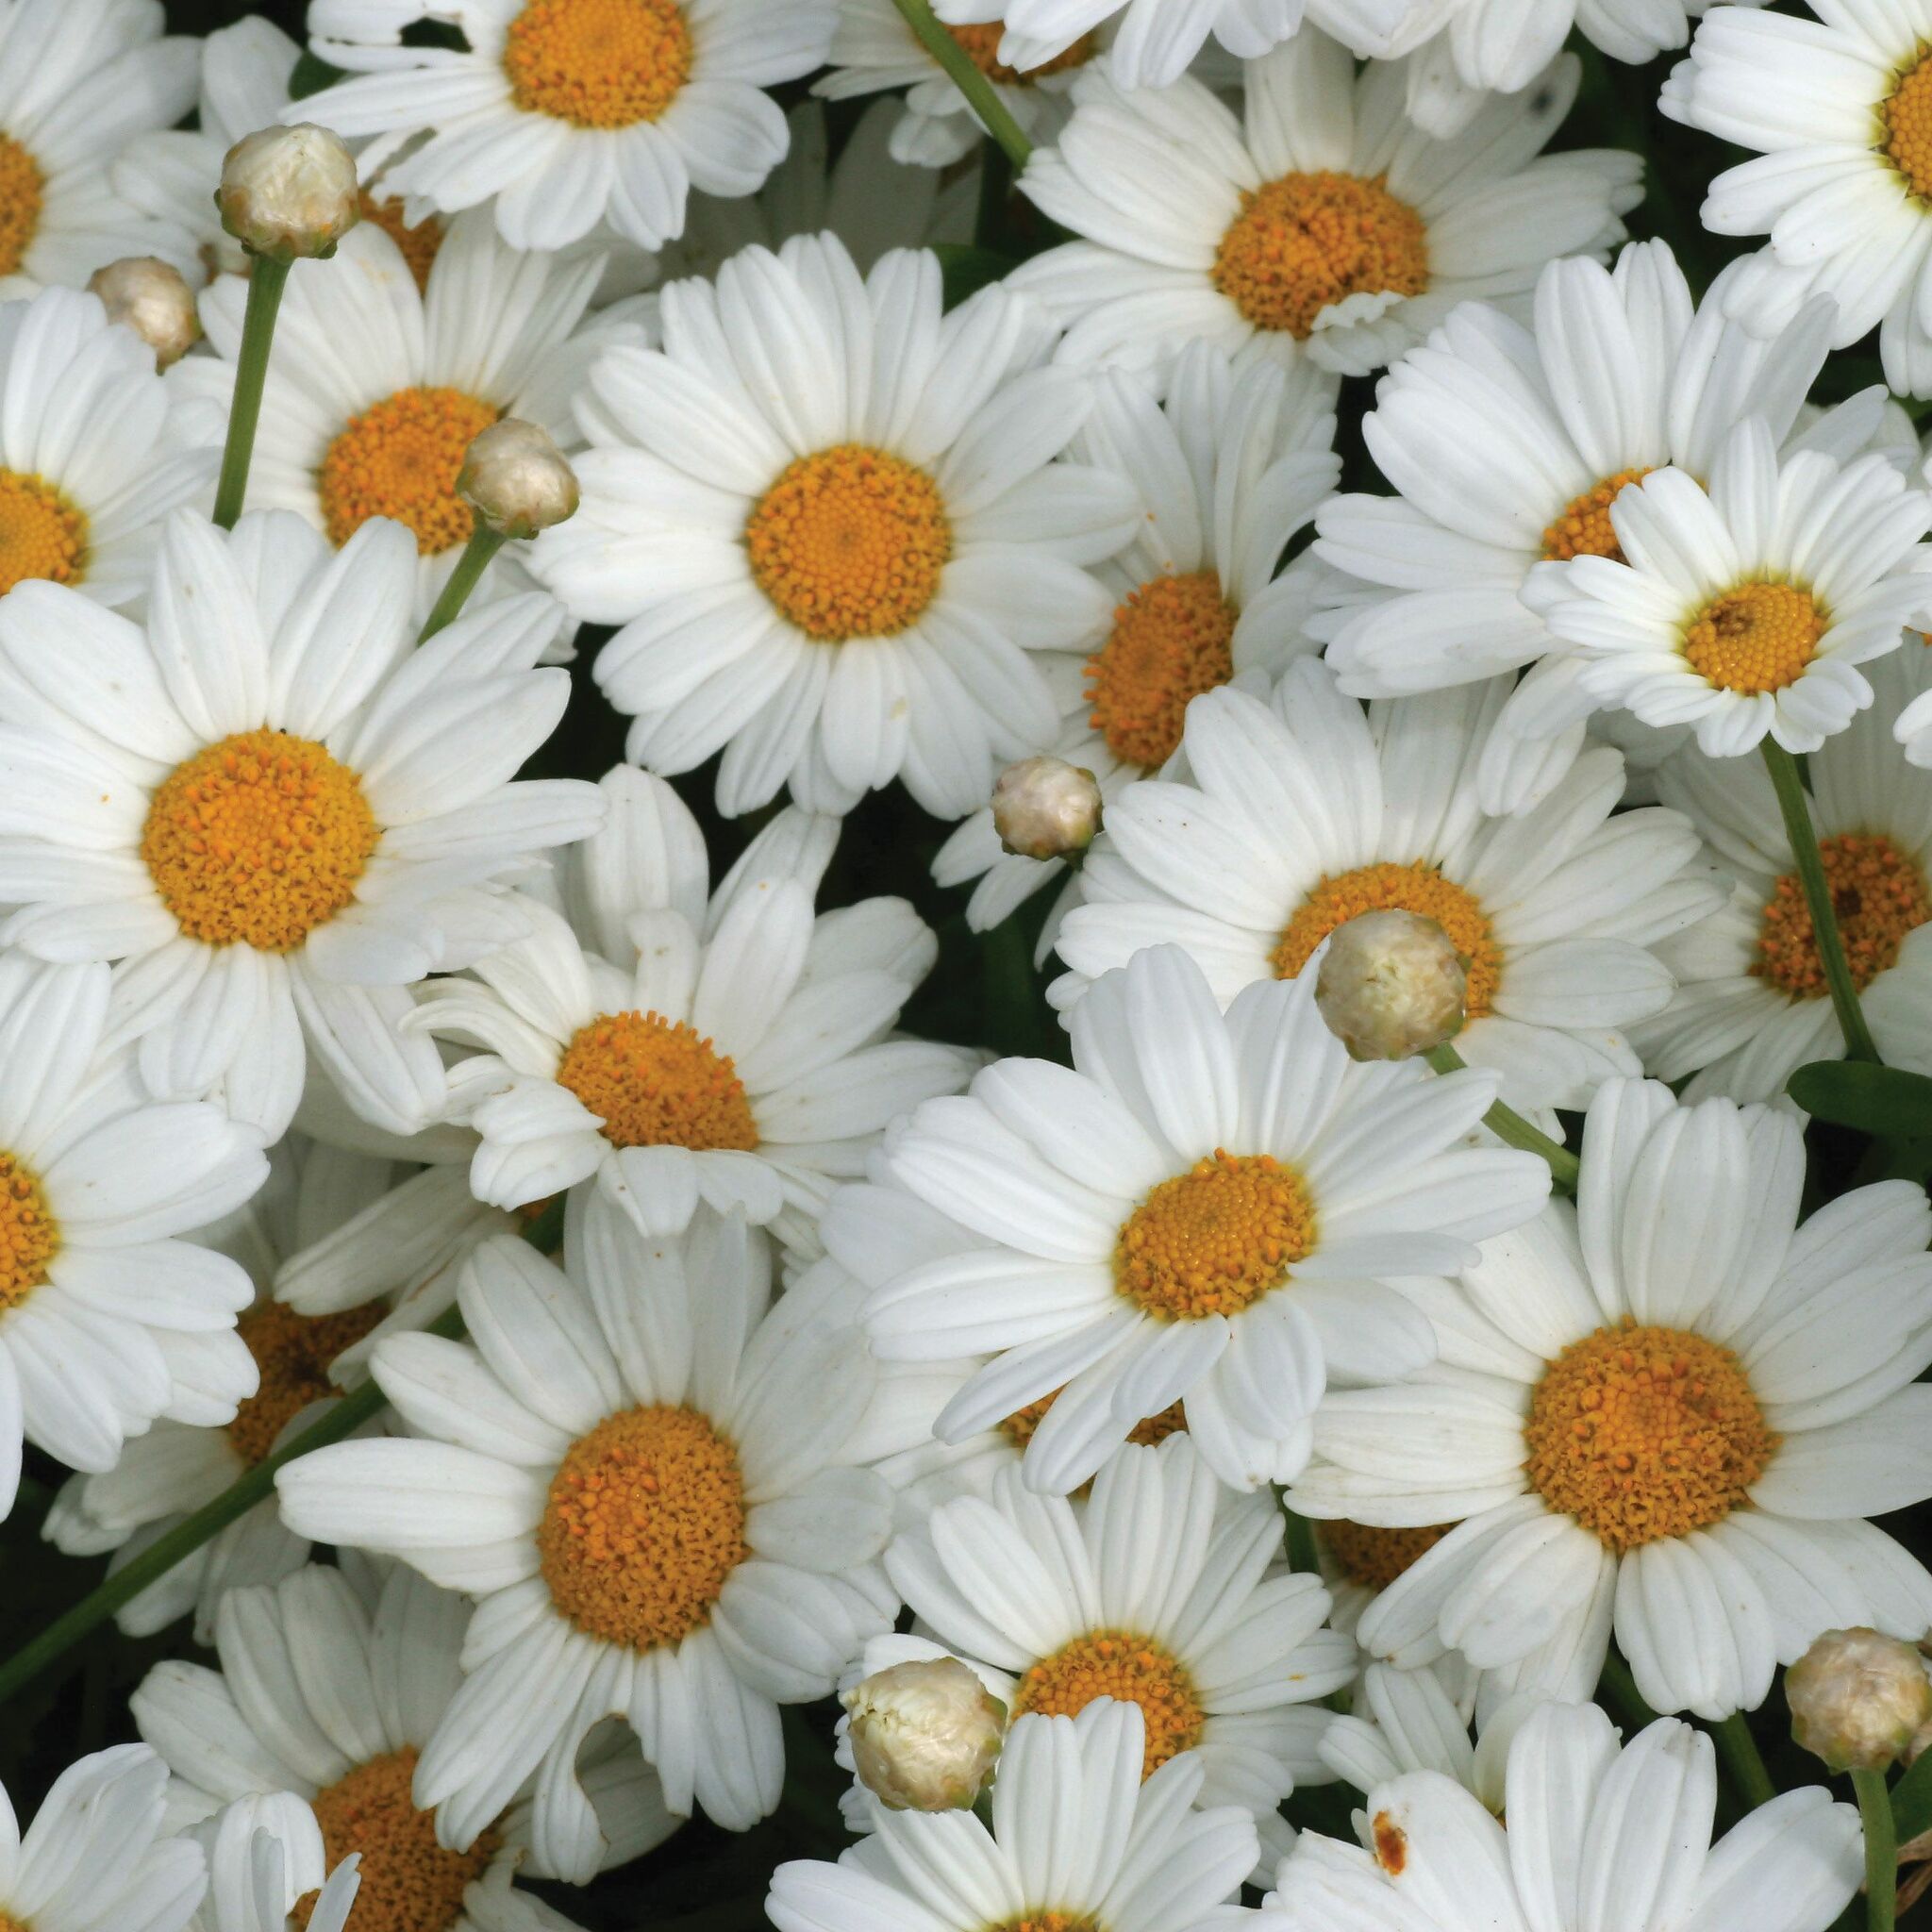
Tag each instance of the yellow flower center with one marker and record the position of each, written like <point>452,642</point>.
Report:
<point>419,244</point>
<point>850,542</point>
<point>1906,119</point>
<point>1018,1427</point>
<point>644,1523</point>
<point>658,1083</point>
<point>1306,241</point>
<point>1584,528</point>
<point>22,187</point>
<point>400,458</point>
<point>1419,889</point>
<point>409,1882</point>
<point>598,63</point>
<point>1757,638</point>
<point>1036,1919</point>
<point>1214,1239</point>
<point>1641,1433</point>
<point>1376,1558</point>
<point>293,1353</point>
<point>1130,1669</point>
<point>1171,640</point>
<point>982,46</point>
<point>30,1236</point>
<point>42,534</point>
<point>1879,896</point>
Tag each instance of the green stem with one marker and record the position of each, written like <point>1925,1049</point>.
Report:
<point>1881,1850</point>
<point>1792,801</point>
<point>1618,1687</point>
<point>484,544</point>
<point>1738,1750</point>
<point>979,90</point>
<point>266,280</point>
<point>1301,1559</point>
<point>1510,1127</point>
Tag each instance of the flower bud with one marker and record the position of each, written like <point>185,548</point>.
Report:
<point>290,191</point>
<point>1046,808</point>
<point>924,1735</point>
<point>516,480</point>
<point>1858,1698</point>
<point>1391,984</point>
<point>152,297</point>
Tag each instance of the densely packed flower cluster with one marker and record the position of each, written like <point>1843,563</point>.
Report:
<point>965,965</point>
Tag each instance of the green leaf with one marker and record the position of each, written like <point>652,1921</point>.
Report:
<point>1875,1100</point>
<point>966,271</point>
<point>1911,1801</point>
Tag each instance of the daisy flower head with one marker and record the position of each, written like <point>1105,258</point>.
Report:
<point>1665,1412</point>
<point>828,523</point>
<point>1228,471</point>
<point>158,775</point>
<point>1305,811</point>
<point>1203,1210</point>
<point>743,1577</point>
<point>330,1686</point>
<point>1741,610</point>
<point>1598,1835</point>
<point>82,78</point>
<point>1077,1838</point>
<point>1319,221</point>
<point>561,113</point>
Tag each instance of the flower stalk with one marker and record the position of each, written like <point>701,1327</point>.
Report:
<point>1881,1850</point>
<point>1511,1129</point>
<point>267,279</point>
<point>483,545</point>
<point>979,90</point>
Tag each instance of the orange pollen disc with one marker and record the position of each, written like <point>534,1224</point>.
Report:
<point>1213,1240</point>
<point>658,1083</point>
<point>30,1236</point>
<point>22,187</point>
<point>1879,896</point>
<point>257,839</point>
<point>400,458</point>
<point>644,1523</point>
<point>1584,528</point>
<point>419,244</point>
<point>1131,1669</point>
<point>1907,118</point>
<point>1018,1428</point>
<point>598,63</point>
<point>409,1882</point>
<point>1171,640</point>
<point>293,1353</point>
<point>42,534</point>
<point>850,542</point>
<point>1037,1919</point>
<point>1307,240</point>
<point>1376,1558</point>
<point>982,46</point>
<point>1757,638</point>
<point>1419,889</point>
<point>1644,1433</point>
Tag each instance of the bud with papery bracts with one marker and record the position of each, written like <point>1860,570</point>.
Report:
<point>290,191</point>
<point>924,1735</point>
<point>1858,1698</point>
<point>1046,808</point>
<point>152,297</point>
<point>516,480</point>
<point>1391,984</point>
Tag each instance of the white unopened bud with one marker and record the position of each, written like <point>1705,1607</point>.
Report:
<point>1391,984</point>
<point>924,1735</point>
<point>290,191</point>
<point>516,480</point>
<point>1858,1699</point>
<point>1046,808</point>
<point>152,297</point>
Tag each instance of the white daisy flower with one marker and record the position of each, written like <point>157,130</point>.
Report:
<point>91,449</point>
<point>828,522</point>
<point>561,113</point>
<point>1665,1412</point>
<point>156,777</point>
<point>331,1685</point>
<point>1741,608</point>
<point>265,1853</point>
<point>1076,1839</point>
<point>1319,222</point>
<point>108,1320</point>
<point>1202,1209</point>
<point>1840,109</point>
<point>78,80</point>
<point>1307,811</point>
<point>1597,1836</point>
<point>743,1577</point>
<point>1228,471</point>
